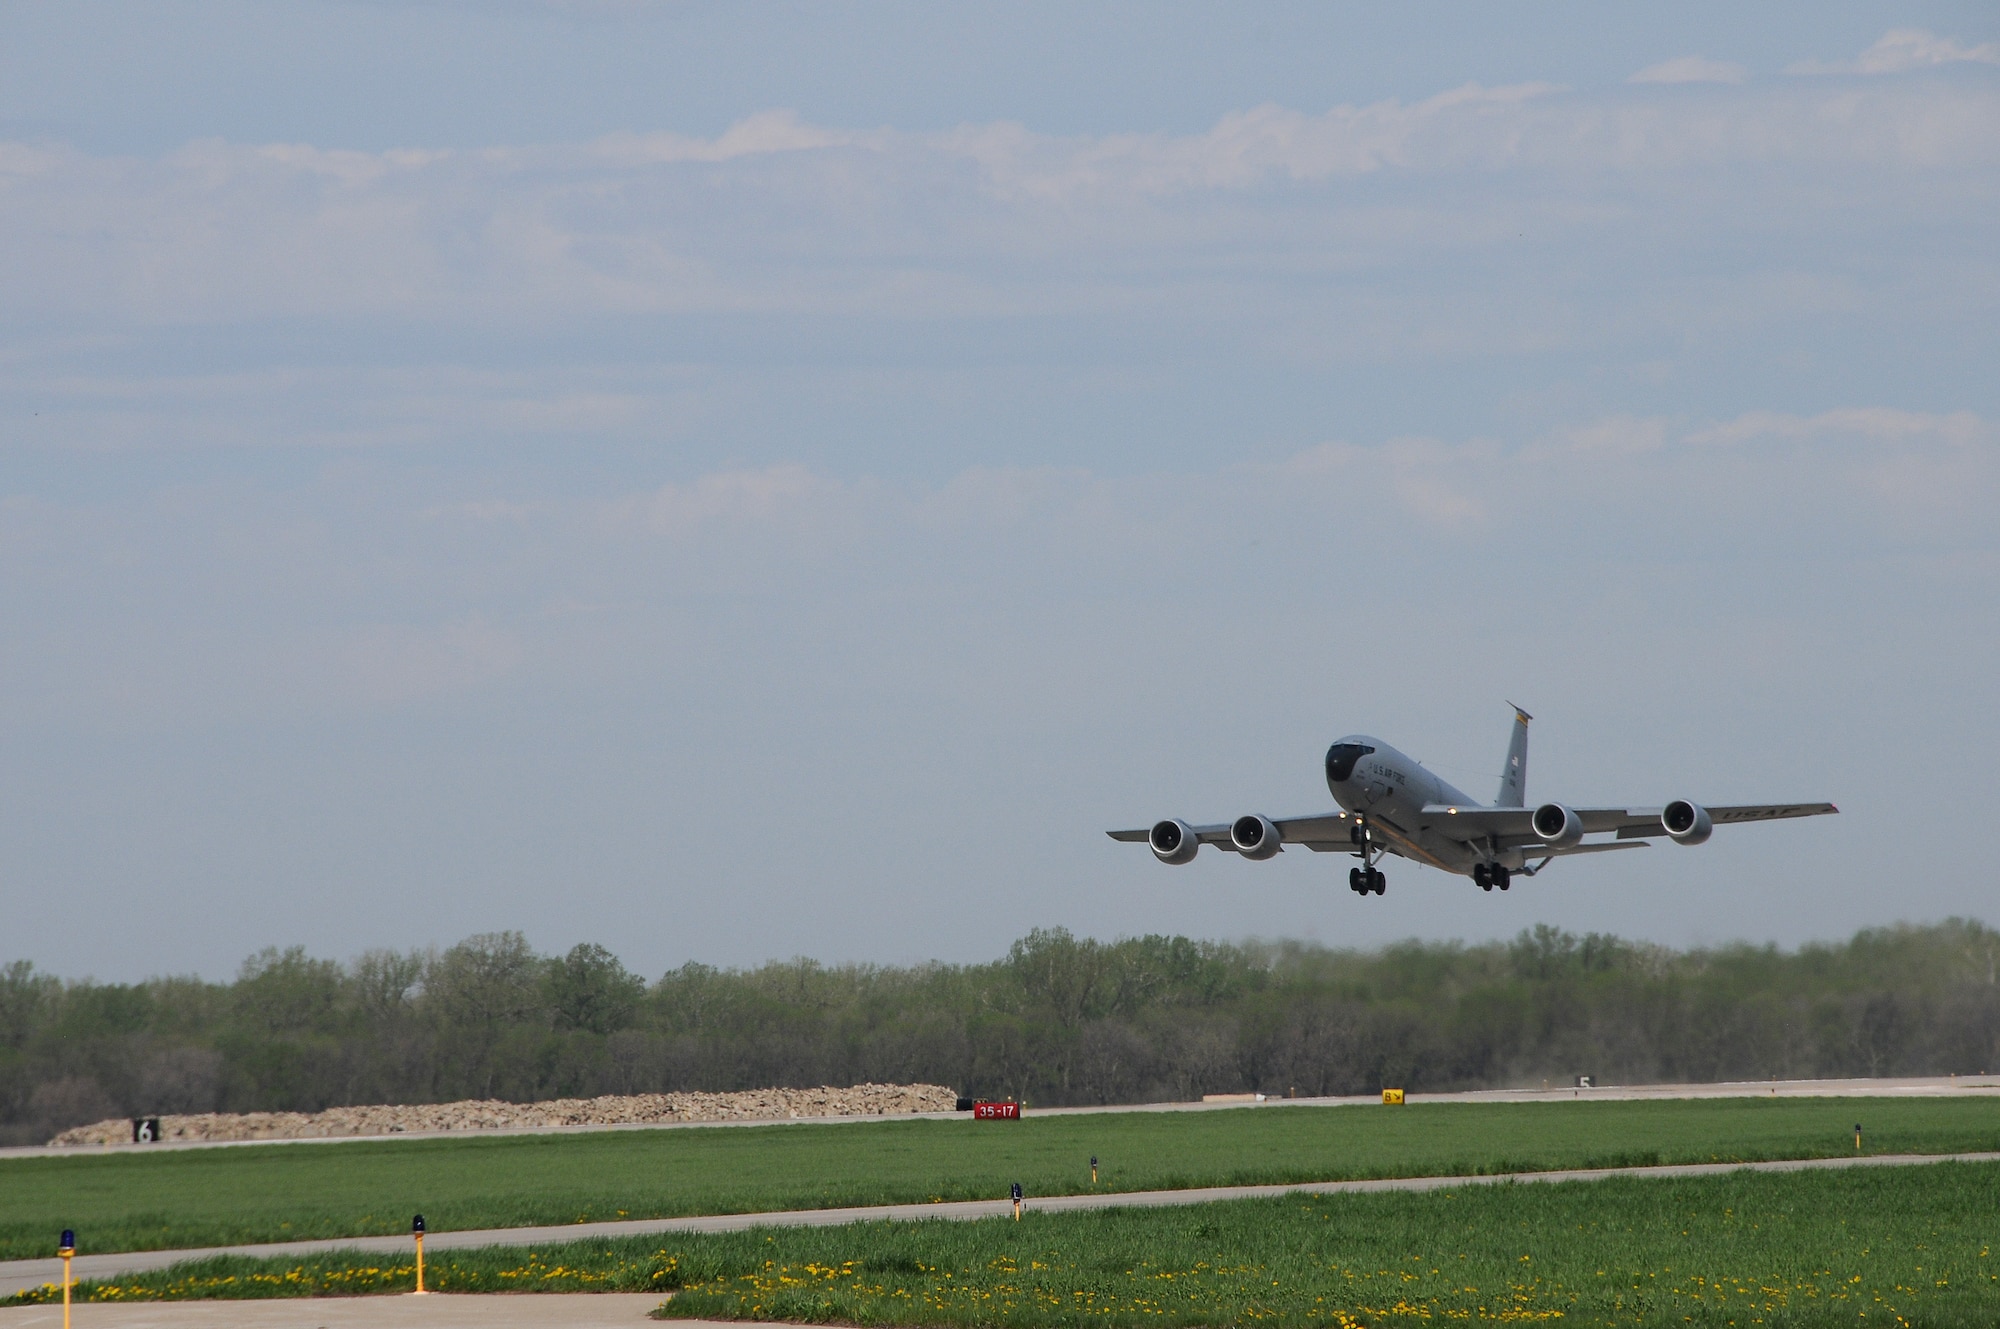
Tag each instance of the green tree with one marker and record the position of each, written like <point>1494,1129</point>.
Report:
<point>287,992</point>
<point>590,989</point>
<point>486,994</point>
<point>25,999</point>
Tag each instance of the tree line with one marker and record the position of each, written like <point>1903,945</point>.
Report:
<point>1058,1019</point>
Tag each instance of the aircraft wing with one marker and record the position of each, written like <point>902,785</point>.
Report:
<point>1327,833</point>
<point>1595,847</point>
<point>1730,816</point>
<point>1331,832</point>
<point>1510,828</point>
<point>1218,834</point>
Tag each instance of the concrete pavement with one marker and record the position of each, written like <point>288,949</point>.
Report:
<point>532,1310</point>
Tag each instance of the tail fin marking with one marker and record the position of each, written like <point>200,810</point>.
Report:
<point>1514,775</point>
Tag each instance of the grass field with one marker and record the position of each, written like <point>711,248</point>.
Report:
<point>212,1197</point>
<point>1879,1246</point>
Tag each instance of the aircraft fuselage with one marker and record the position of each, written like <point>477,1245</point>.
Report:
<point>1391,789</point>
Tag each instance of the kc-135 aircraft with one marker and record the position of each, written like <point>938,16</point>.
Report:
<point>1391,805</point>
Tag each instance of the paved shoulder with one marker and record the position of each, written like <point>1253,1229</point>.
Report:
<point>539,1310</point>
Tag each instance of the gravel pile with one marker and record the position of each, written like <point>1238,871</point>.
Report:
<point>863,1100</point>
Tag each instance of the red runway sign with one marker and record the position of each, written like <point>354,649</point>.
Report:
<point>984,1111</point>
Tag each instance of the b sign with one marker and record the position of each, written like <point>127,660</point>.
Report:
<point>984,1111</point>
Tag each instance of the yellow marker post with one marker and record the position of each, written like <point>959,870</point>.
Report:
<point>417,1228</point>
<point>1093,1169</point>
<point>66,1250</point>
<point>1392,1097</point>
<point>1857,1137</point>
<point>1017,1202</point>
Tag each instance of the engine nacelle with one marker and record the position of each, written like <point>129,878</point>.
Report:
<point>1558,826</point>
<point>1686,822</point>
<point>1255,837</point>
<point>1173,842</point>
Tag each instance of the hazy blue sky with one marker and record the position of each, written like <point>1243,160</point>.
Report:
<point>729,481</point>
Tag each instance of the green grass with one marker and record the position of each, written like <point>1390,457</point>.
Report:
<point>137,1201</point>
<point>1874,1246</point>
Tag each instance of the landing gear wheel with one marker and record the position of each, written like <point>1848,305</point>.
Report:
<point>1364,879</point>
<point>1501,877</point>
<point>1481,878</point>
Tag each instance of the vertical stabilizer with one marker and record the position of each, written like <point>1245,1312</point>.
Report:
<point>1514,776</point>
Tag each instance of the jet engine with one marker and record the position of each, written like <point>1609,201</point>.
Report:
<point>1173,842</point>
<point>1687,822</point>
<point>1558,826</point>
<point>1255,837</point>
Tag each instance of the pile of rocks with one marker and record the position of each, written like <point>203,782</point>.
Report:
<point>863,1100</point>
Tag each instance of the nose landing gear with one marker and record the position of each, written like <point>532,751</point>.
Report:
<point>1366,878</point>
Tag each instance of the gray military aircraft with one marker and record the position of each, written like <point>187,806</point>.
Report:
<point>1391,805</point>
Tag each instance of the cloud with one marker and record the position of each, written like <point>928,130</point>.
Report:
<point>1901,50</point>
<point>1691,69</point>
<point>1463,126</point>
<point>1917,466</point>
<point>1432,481</point>
<point>780,495</point>
<point>387,664</point>
<point>365,594</point>
<point>1612,437</point>
<point>1881,423</point>
<point>763,134</point>
<point>777,215</point>
<point>483,510</point>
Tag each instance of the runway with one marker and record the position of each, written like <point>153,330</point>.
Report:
<point>1931,1086</point>
<point>29,1273</point>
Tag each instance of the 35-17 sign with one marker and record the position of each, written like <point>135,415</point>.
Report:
<point>984,1111</point>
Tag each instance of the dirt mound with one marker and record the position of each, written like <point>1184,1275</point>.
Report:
<point>863,1100</point>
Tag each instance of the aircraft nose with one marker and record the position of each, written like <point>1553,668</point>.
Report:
<point>1340,760</point>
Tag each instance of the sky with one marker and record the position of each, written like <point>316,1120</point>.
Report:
<point>729,482</point>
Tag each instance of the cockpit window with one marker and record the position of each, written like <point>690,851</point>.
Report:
<point>1340,759</point>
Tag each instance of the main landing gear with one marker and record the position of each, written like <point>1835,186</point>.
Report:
<point>1367,878</point>
<point>1489,875</point>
